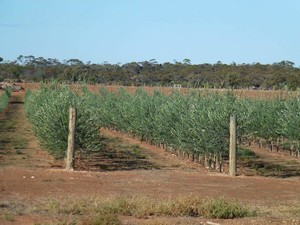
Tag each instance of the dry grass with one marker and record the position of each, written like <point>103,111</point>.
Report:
<point>289,209</point>
<point>143,210</point>
<point>9,210</point>
<point>142,207</point>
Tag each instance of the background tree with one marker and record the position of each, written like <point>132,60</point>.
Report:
<point>219,75</point>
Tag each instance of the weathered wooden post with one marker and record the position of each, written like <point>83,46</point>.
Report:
<point>71,139</point>
<point>233,145</point>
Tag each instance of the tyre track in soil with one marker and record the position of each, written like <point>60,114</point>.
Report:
<point>19,145</point>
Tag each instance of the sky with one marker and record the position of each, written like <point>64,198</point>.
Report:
<point>122,31</point>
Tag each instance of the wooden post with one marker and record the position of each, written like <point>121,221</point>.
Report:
<point>71,139</point>
<point>232,151</point>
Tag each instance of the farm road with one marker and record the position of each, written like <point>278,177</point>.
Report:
<point>27,175</point>
<point>18,146</point>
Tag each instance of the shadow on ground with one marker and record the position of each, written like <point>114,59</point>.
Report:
<point>115,155</point>
<point>252,164</point>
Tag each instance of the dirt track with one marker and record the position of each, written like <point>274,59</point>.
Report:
<point>30,177</point>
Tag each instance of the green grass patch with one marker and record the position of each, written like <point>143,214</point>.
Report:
<point>265,168</point>
<point>7,125</point>
<point>9,217</point>
<point>137,151</point>
<point>19,143</point>
<point>245,154</point>
<point>132,150</point>
<point>221,208</point>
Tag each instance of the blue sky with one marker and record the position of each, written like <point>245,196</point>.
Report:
<point>205,31</point>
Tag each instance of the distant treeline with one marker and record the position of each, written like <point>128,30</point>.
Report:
<point>151,73</point>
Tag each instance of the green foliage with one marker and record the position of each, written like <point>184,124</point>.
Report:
<point>245,154</point>
<point>289,119</point>
<point>152,73</point>
<point>48,111</point>
<point>4,99</point>
<point>221,208</point>
<point>274,118</point>
<point>196,123</point>
<point>265,117</point>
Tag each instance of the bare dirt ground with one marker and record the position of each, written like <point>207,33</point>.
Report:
<point>30,178</point>
<point>254,94</point>
<point>272,163</point>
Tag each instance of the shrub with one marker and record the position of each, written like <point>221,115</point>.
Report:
<point>48,111</point>
<point>221,208</point>
<point>4,99</point>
